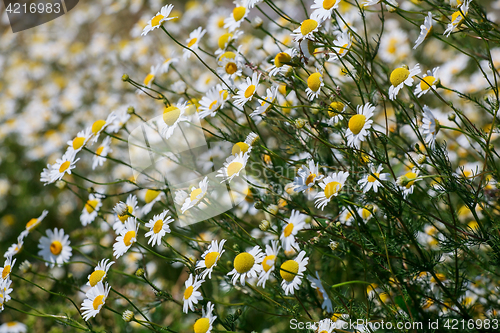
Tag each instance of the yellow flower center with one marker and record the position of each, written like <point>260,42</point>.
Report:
<point>243,262</point>
<point>427,82</point>
<point>228,54</point>
<point>188,292</point>
<point>224,39</point>
<point>151,195</point>
<point>55,247</point>
<point>238,13</point>
<point>171,114</point>
<point>202,325</point>
<point>148,79</point>
<point>455,16</point>
<point>343,49</point>
<point>240,147</point>
<point>233,168</point>
<point>411,176</point>
<point>268,262</point>
<point>308,26</point>
<point>192,42</point>
<point>365,213</point>
<point>212,105</point>
<point>332,188</point>
<point>356,123</point>
<point>310,178</point>
<point>328,4</point>
<point>195,193</point>
<point>99,150</point>
<point>129,237</point>
<point>372,179</point>
<point>158,226</point>
<point>78,142</point>
<point>231,68</point>
<point>281,59</point>
<point>31,223</point>
<point>249,91</point>
<point>5,271</point>
<point>211,259</point>
<point>97,126</point>
<point>96,277</point>
<point>90,205</point>
<point>288,229</point>
<point>314,81</point>
<point>398,76</point>
<point>155,21</point>
<point>337,106</point>
<point>11,323</point>
<point>98,301</point>
<point>125,216</point>
<point>64,166</point>
<point>289,270</point>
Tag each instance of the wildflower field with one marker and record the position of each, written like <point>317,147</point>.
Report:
<point>257,166</point>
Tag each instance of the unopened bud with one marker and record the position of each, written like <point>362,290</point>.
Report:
<point>127,316</point>
<point>25,266</point>
<point>125,78</point>
<point>264,225</point>
<point>452,117</point>
<point>139,272</point>
<point>301,122</point>
<point>421,158</point>
<point>130,110</point>
<point>273,209</point>
<point>258,205</point>
<point>60,184</point>
<point>257,22</point>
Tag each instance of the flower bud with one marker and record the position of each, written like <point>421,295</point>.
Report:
<point>257,22</point>
<point>139,272</point>
<point>452,117</point>
<point>258,205</point>
<point>130,110</point>
<point>25,266</point>
<point>301,122</point>
<point>60,184</point>
<point>125,78</point>
<point>264,225</point>
<point>421,158</point>
<point>273,209</point>
<point>127,316</point>
<point>333,245</point>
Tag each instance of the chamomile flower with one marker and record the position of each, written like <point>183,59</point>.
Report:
<point>16,247</point>
<point>457,17</point>
<point>292,272</point>
<point>266,104</point>
<point>307,176</point>
<point>210,103</point>
<point>35,222</point>
<point>425,30</point>
<point>331,186</point>
<point>407,181</point>
<point>149,79</point>
<point>54,248</point>
<point>428,81</point>
<point>233,166</point>
<point>158,19</point>
<point>191,294</point>
<point>204,324</point>
<point>359,124</point>
<point>251,3</point>
<point>327,325</point>
<point>165,65</point>
<point>5,290</point>
<point>63,166</point>
<point>91,209</point>
<point>101,152</point>
<point>126,238</point>
<point>158,227</point>
<point>229,66</point>
<point>123,212</point>
<point>193,41</point>
<point>150,198</point>
<point>197,194</point>
<point>7,268</point>
<point>295,223</point>
<point>247,90</point>
<point>269,262</point>
<point>210,258</point>
<point>225,40</point>
<point>96,297</point>
<point>323,9</point>
<point>372,180</point>
<point>314,84</point>
<point>281,61</point>
<point>80,140</point>
<point>430,127</point>
<point>400,77</point>
<point>172,115</point>
<point>100,125</point>
<point>316,284</point>
<point>238,15</point>
<point>247,265</point>
<point>13,327</point>
<point>341,46</point>
<point>306,30</point>
<point>100,272</point>
<point>121,118</point>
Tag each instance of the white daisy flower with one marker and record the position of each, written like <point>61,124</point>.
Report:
<point>266,104</point>
<point>238,15</point>
<point>323,295</point>
<point>121,118</point>
<point>100,125</point>
<point>269,262</point>
<point>225,40</point>
<point>323,9</point>
<point>425,30</point>
<point>292,272</point>
<point>91,209</point>
<point>165,65</point>
<point>314,84</point>
<point>247,265</point>
<point>100,272</point>
<point>7,267</point>
<point>210,258</point>
<point>54,248</point>
<point>191,293</point>
<point>327,325</point>
<point>123,212</point>
<point>407,182</point>
<point>158,19</point>
<point>126,238</point>
<point>172,115</point>
<point>457,17</point>
<point>251,3</point>
<point>366,212</point>
<point>428,81</point>
<point>63,166</point>
<point>159,226</point>
<point>400,77</point>
<point>341,46</point>
<point>211,102</point>
<point>13,327</point>
<point>180,197</point>
<point>35,222</point>
<point>96,297</point>
<point>307,177</point>
<point>230,65</point>
<point>150,198</point>
<point>246,90</point>
<point>430,127</point>
<point>295,223</point>
<point>197,194</point>
<point>372,179</point>
<point>204,324</point>
<point>233,166</point>
<point>101,152</point>
<point>306,30</point>
<point>335,112</point>
<point>16,247</point>
<point>149,79</point>
<point>5,290</point>
<point>281,61</point>
<point>193,41</point>
<point>80,140</point>
<point>359,124</point>
<point>331,186</point>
